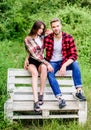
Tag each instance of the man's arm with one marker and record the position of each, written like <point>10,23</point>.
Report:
<point>64,66</point>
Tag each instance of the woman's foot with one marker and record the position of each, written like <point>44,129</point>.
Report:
<point>40,98</point>
<point>37,107</point>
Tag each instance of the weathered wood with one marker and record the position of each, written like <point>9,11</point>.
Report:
<point>28,89</point>
<point>74,116</point>
<point>82,112</point>
<point>20,102</point>
<point>48,105</point>
<point>28,97</point>
<point>8,110</point>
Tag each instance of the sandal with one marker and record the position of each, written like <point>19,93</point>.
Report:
<point>40,98</point>
<point>37,107</point>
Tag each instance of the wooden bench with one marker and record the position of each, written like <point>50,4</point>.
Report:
<point>19,105</point>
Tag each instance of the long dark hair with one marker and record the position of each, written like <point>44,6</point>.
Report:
<point>37,26</point>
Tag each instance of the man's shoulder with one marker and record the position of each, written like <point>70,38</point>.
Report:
<point>64,34</point>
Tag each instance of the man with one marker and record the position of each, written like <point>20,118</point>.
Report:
<point>62,54</point>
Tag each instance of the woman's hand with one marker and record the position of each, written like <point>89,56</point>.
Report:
<point>26,64</point>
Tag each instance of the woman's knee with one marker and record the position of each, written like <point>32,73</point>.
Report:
<point>43,67</point>
<point>33,70</point>
<point>34,73</point>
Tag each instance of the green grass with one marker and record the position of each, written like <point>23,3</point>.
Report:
<point>76,21</point>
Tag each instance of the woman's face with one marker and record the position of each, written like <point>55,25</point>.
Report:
<point>40,30</point>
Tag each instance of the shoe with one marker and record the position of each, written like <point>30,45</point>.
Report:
<point>80,96</point>
<point>62,103</point>
<point>40,99</point>
<point>37,107</point>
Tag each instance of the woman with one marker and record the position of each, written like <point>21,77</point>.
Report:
<point>35,62</point>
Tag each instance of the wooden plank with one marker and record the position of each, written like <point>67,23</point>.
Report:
<point>82,112</point>
<point>63,89</point>
<point>54,106</point>
<point>50,97</point>
<point>11,88</point>
<point>18,72</point>
<point>28,106</point>
<point>47,89</point>
<point>22,72</point>
<point>19,80</point>
<point>73,116</point>
<point>27,80</point>
<point>8,109</point>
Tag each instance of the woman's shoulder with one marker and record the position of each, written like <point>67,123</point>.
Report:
<point>27,38</point>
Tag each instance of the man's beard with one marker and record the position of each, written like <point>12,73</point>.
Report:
<point>57,33</point>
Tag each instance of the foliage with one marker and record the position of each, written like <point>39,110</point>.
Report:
<point>16,19</point>
<point>17,16</point>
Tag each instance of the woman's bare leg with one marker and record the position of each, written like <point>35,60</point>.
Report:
<point>43,76</point>
<point>33,70</point>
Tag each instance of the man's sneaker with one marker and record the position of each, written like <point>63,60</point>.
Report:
<point>80,96</point>
<point>62,103</point>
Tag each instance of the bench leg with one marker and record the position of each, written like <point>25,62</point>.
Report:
<point>8,110</point>
<point>45,113</point>
<point>82,112</point>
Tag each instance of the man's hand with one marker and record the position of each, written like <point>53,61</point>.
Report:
<point>63,70</point>
<point>50,68</point>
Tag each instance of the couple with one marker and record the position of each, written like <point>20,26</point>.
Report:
<point>61,54</point>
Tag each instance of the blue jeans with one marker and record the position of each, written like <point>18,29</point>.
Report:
<point>75,73</point>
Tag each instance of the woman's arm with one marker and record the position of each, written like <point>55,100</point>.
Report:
<point>26,62</point>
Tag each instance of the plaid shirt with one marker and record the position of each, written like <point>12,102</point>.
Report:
<point>34,49</point>
<point>68,47</point>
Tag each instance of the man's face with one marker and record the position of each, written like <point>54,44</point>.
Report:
<point>56,27</point>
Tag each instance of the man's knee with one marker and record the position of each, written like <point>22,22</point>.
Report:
<point>75,65</point>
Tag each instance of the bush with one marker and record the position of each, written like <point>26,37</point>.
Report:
<point>17,16</point>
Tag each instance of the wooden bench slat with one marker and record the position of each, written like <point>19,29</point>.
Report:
<point>18,72</point>
<point>22,72</point>
<point>49,117</point>
<point>28,106</point>
<point>29,97</point>
<point>29,81</point>
<point>47,89</point>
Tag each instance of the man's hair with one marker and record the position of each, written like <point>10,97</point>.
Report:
<point>55,20</point>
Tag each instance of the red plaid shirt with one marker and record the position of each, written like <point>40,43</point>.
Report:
<point>68,47</point>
